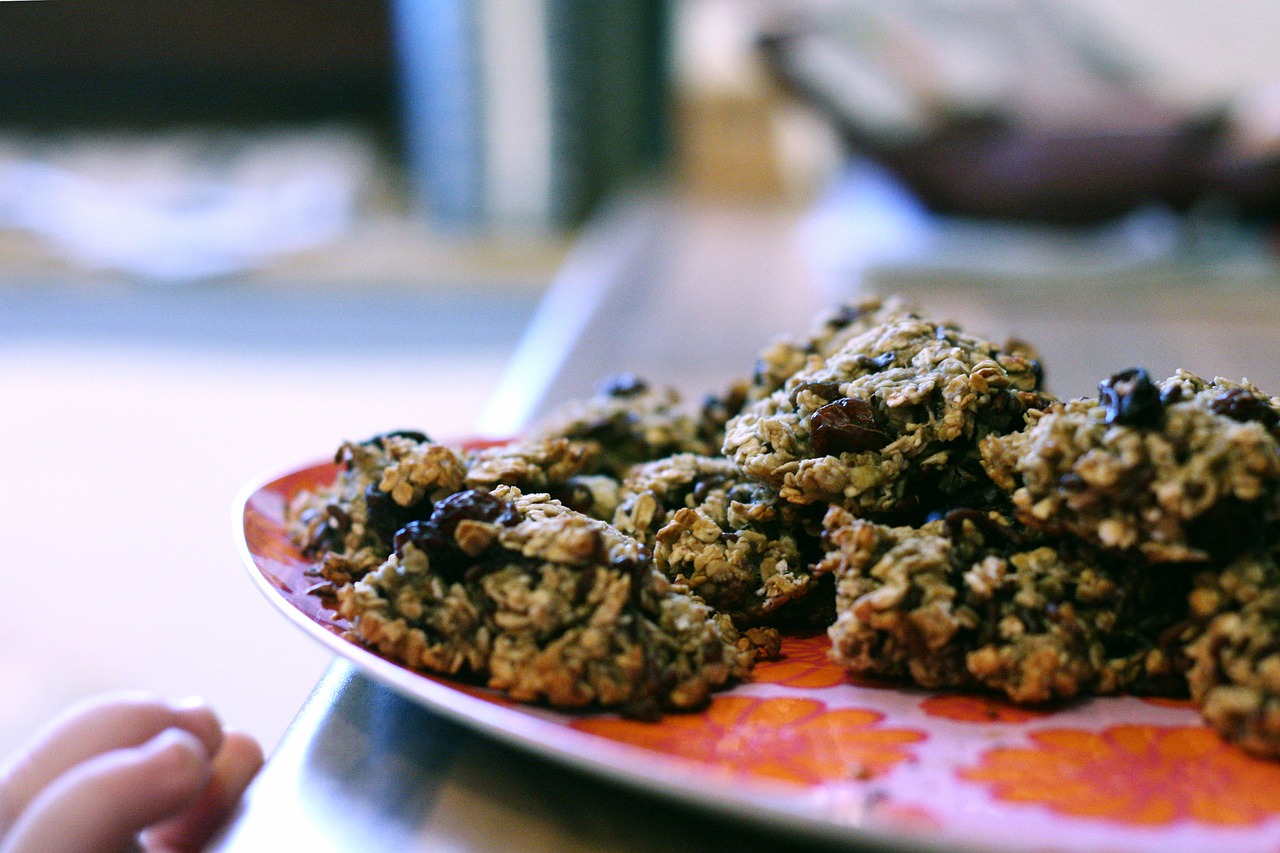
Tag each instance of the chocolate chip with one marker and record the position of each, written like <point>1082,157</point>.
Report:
<point>847,425</point>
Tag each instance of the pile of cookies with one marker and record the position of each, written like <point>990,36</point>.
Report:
<point>906,486</point>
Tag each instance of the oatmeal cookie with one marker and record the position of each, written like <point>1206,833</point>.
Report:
<point>562,468</point>
<point>389,480</point>
<point>1181,470</point>
<point>787,355</point>
<point>889,421</point>
<point>972,600</point>
<point>1235,655</point>
<point>544,604</point>
<point>728,539</point>
<point>630,421</point>
<point>531,466</point>
<point>383,483</point>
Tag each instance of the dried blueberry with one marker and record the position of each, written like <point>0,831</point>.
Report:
<point>1072,483</point>
<point>411,434</point>
<point>1131,399</point>
<point>718,408</point>
<point>760,372</point>
<point>1229,528</point>
<point>435,535</point>
<point>954,521</point>
<point>383,516</point>
<point>847,425</point>
<point>328,531</point>
<point>844,316</point>
<point>575,494</point>
<point>424,536</point>
<point>638,567</point>
<point>876,364</point>
<point>623,385</point>
<point>1171,394</point>
<point>1037,372</point>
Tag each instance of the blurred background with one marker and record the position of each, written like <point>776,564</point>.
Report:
<point>234,234</point>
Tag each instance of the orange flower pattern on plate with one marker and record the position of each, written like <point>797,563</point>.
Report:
<point>1135,774</point>
<point>977,708</point>
<point>795,740</point>
<point>806,664</point>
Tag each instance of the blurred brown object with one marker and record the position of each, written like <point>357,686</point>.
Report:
<point>1057,131</point>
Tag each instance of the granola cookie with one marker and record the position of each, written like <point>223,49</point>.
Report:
<point>786,355</point>
<point>972,601</point>
<point>543,604</point>
<point>728,539</point>
<point>389,480</point>
<point>562,468</point>
<point>630,422</point>
<point>1180,470</point>
<point>383,483</point>
<point>532,466</point>
<point>889,421</point>
<point>1235,657</point>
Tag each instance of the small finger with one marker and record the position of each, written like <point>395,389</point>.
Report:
<point>101,805</point>
<point>233,769</point>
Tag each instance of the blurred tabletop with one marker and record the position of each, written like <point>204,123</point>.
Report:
<point>687,296</point>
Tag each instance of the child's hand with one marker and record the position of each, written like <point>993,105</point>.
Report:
<point>125,769</point>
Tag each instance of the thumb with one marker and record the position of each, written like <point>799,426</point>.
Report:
<point>101,805</point>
